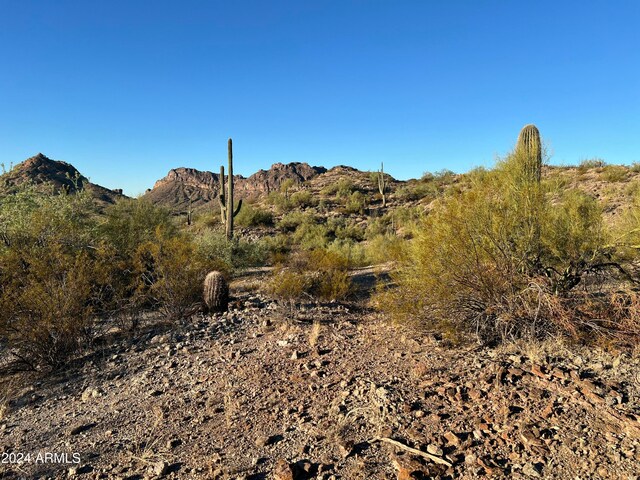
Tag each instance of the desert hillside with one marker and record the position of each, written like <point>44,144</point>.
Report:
<point>329,345</point>
<point>59,176</point>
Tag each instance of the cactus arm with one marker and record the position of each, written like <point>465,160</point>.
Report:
<point>221,197</point>
<point>382,184</point>
<point>221,191</point>
<point>238,208</point>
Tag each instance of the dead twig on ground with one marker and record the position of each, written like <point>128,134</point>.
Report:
<point>415,451</point>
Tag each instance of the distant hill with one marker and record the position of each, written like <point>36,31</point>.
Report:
<point>182,184</point>
<point>613,185</point>
<point>41,170</point>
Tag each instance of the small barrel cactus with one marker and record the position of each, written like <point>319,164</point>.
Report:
<point>530,147</point>
<point>216,292</point>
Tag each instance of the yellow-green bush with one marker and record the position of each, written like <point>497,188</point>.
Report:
<point>356,202</point>
<point>341,189</point>
<point>591,163</point>
<point>319,274</point>
<point>291,221</point>
<point>252,216</point>
<point>494,259</point>
<point>52,271</point>
<point>303,199</point>
<point>354,254</point>
<point>131,222</point>
<point>383,248</point>
<point>64,265</point>
<point>311,235</point>
<point>614,173</point>
<point>170,275</point>
<point>627,230</point>
<point>345,229</point>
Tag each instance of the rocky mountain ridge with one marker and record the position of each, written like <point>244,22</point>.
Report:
<point>182,185</point>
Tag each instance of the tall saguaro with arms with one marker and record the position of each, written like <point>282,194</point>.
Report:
<point>226,199</point>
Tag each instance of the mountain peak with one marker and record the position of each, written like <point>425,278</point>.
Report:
<point>63,176</point>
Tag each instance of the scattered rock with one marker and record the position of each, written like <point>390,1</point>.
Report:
<point>160,468</point>
<point>282,470</point>
<point>531,470</point>
<point>81,428</point>
<point>452,438</point>
<point>434,450</point>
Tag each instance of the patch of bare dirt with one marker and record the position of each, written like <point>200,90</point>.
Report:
<point>327,392</point>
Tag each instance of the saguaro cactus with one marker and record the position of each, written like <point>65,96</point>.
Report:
<point>226,200</point>
<point>216,292</point>
<point>529,155</point>
<point>382,184</point>
<point>530,147</point>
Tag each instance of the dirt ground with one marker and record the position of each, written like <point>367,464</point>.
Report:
<point>324,391</point>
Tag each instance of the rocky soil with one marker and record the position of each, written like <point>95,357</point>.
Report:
<point>328,392</point>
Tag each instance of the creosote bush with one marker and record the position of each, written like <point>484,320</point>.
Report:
<point>52,275</point>
<point>170,275</point>
<point>318,274</point>
<point>66,268</point>
<point>356,203</point>
<point>614,173</point>
<point>252,216</point>
<point>592,163</point>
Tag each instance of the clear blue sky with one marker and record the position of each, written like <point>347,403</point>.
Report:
<point>126,90</point>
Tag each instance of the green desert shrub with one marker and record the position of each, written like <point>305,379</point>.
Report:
<point>356,203</point>
<point>441,177</point>
<point>499,259</point>
<point>125,228</point>
<point>131,222</point>
<point>170,275</point>
<point>319,274</point>
<point>614,173</point>
<point>48,303</point>
<point>206,219</point>
<point>632,188</point>
<point>280,201</point>
<point>291,221</point>
<point>288,285</point>
<point>627,230</point>
<point>311,235</point>
<point>65,268</point>
<point>417,190</point>
<point>378,226</point>
<point>213,247</point>
<point>345,229</point>
<point>383,248</point>
<point>591,163</point>
<point>52,272</point>
<point>252,216</point>
<point>277,247</point>
<point>340,189</point>
<point>354,254</point>
<point>303,199</point>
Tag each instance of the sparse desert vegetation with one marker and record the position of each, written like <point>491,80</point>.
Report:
<point>453,326</point>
